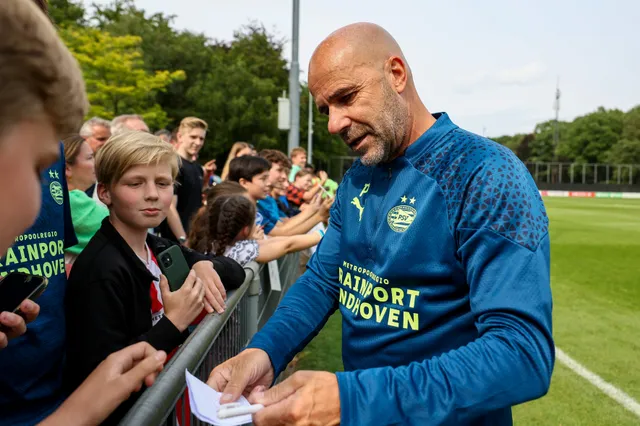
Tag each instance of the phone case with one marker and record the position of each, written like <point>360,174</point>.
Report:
<point>174,266</point>
<point>18,286</point>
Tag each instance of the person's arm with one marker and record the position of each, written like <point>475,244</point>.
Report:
<point>272,249</point>
<point>505,253</point>
<point>173,219</point>
<point>308,304</point>
<point>115,379</point>
<point>208,170</point>
<point>218,275</point>
<point>308,195</point>
<point>320,215</point>
<point>98,325</point>
<point>301,223</point>
<point>231,273</point>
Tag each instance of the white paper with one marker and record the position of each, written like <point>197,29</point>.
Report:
<point>205,403</point>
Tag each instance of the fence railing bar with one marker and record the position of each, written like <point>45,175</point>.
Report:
<point>157,403</point>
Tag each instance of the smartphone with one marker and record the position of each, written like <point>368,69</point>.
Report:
<point>18,286</point>
<point>324,191</point>
<point>174,266</point>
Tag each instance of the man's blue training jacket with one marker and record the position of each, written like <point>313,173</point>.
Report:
<point>439,263</point>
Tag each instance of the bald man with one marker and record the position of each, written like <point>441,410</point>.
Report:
<point>437,255</point>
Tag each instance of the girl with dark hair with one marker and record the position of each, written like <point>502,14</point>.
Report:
<point>227,227</point>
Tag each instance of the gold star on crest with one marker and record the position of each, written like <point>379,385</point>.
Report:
<point>412,200</point>
<point>403,198</point>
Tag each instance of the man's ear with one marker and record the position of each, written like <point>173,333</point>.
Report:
<point>398,73</point>
<point>243,182</point>
<point>104,194</point>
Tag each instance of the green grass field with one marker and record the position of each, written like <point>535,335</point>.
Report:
<point>595,279</point>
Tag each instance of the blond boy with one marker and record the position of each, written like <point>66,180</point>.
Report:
<point>190,181</point>
<point>116,294</point>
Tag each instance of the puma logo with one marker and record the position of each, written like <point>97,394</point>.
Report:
<point>356,202</point>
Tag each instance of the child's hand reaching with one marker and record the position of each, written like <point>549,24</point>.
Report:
<point>258,233</point>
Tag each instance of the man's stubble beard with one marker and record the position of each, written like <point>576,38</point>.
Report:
<point>393,117</point>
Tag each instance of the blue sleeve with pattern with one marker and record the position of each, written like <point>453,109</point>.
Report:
<point>308,304</point>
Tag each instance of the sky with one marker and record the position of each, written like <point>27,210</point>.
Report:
<point>493,65</point>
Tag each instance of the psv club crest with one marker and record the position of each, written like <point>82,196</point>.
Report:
<point>402,216</point>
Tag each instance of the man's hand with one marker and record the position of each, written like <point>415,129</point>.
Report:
<point>305,398</point>
<point>110,384</point>
<point>13,325</point>
<point>214,292</point>
<point>241,374</point>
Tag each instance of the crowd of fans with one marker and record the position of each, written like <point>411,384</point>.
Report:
<point>115,198</point>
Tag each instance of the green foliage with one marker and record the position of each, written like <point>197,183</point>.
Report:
<point>603,136</point>
<point>66,13</point>
<point>114,75</point>
<point>138,62</point>
<point>590,137</point>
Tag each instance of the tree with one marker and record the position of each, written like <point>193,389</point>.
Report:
<point>325,145</point>
<point>589,137</point>
<point>625,151</point>
<point>67,13</point>
<point>114,75</point>
<point>541,146</point>
<point>511,142</point>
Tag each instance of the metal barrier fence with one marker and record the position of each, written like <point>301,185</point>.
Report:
<point>586,174</point>
<point>215,339</point>
<point>546,173</point>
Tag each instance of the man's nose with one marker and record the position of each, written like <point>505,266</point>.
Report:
<point>338,121</point>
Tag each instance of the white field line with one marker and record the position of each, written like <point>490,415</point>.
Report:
<point>607,388</point>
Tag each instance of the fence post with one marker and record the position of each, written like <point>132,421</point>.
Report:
<point>571,172</point>
<point>559,172</point>
<point>253,294</point>
<point>584,173</point>
<point>619,170</point>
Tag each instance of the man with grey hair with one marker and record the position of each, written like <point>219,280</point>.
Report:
<point>128,122</point>
<point>96,131</point>
<point>164,134</point>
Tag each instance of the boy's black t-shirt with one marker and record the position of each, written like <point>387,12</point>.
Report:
<point>189,191</point>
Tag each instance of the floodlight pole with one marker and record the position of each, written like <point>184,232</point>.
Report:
<point>294,81</point>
